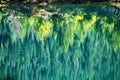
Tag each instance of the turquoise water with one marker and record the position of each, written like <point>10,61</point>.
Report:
<point>66,42</point>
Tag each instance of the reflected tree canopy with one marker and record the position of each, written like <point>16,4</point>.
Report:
<point>67,42</point>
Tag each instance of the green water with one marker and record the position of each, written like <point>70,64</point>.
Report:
<point>80,42</point>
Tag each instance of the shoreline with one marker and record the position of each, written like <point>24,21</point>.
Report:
<point>63,3</point>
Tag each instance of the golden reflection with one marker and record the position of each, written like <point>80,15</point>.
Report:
<point>88,24</point>
<point>44,30</point>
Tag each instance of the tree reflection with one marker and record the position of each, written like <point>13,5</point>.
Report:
<point>70,45</point>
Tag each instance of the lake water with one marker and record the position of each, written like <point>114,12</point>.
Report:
<point>60,42</point>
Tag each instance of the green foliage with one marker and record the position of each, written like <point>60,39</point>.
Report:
<point>116,41</point>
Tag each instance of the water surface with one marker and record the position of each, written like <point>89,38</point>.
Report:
<point>66,42</point>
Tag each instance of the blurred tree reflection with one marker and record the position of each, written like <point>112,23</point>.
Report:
<point>79,42</point>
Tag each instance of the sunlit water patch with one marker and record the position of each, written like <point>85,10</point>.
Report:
<point>70,42</point>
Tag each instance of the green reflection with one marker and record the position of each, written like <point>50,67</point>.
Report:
<point>77,43</point>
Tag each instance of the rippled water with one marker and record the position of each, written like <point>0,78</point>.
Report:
<point>65,42</point>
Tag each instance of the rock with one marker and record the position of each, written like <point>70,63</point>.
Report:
<point>44,14</point>
<point>43,3</point>
<point>3,5</point>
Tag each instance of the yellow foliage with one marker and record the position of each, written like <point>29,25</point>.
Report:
<point>88,24</point>
<point>44,30</point>
<point>79,17</point>
<point>94,18</point>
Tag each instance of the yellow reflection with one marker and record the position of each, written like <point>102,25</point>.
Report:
<point>88,24</point>
<point>79,17</point>
<point>44,30</point>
